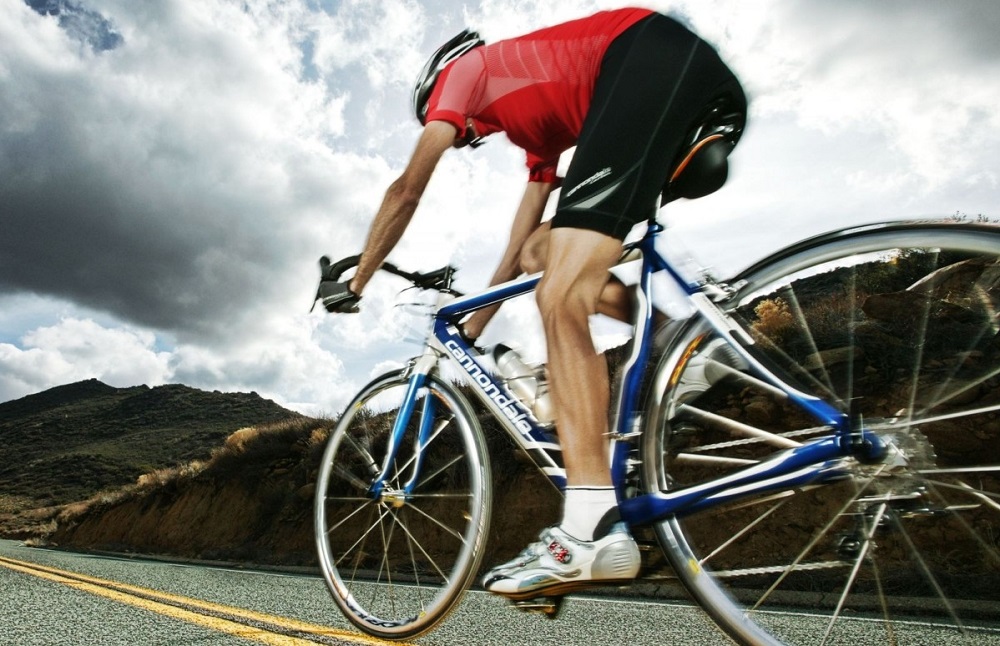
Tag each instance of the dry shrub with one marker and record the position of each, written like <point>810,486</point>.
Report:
<point>156,479</point>
<point>773,320</point>
<point>74,510</point>
<point>34,526</point>
<point>256,445</point>
<point>12,504</point>
<point>832,320</point>
<point>318,437</point>
<point>43,531</point>
<point>237,442</point>
<point>160,478</point>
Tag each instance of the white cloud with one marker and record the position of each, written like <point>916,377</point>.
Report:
<point>77,349</point>
<point>380,38</point>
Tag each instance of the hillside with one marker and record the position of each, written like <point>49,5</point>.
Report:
<point>70,442</point>
<point>89,466</point>
<point>251,501</point>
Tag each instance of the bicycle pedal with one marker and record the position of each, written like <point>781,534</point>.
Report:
<point>548,606</point>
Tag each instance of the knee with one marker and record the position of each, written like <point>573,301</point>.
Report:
<point>531,263</point>
<point>535,250</point>
<point>560,302</point>
<point>547,303</point>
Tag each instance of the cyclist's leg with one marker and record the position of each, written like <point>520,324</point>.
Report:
<point>614,299</point>
<point>576,273</point>
<point>566,559</point>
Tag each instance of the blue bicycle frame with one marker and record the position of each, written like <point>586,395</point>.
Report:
<point>812,462</point>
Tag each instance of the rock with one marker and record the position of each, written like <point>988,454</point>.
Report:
<point>833,357</point>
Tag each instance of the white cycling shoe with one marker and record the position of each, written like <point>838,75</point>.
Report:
<point>559,564</point>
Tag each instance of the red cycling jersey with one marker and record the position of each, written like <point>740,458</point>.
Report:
<point>535,88</point>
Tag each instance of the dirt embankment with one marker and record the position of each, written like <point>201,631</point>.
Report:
<point>252,502</point>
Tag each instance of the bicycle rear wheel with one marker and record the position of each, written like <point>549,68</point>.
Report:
<point>396,562</point>
<point>897,325</point>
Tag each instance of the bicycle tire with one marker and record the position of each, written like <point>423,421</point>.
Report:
<point>397,564</point>
<point>898,324</point>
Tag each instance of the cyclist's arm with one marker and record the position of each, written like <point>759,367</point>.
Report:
<point>401,200</point>
<point>526,221</point>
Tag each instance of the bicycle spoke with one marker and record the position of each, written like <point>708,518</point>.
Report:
<point>736,428</point>
<point>347,476</point>
<point>961,414</point>
<point>444,527</point>
<point>789,294</point>
<point>363,536</point>
<point>852,299</point>
<point>420,547</point>
<point>852,577</point>
<point>985,496</point>
<point>937,398</point>
<point>360,544</point>
<point>931,579</point>
<point>918,359</point>
<point>797,370</point>
<point>813,542</point>
<point>367,502</point>
<point>430,478</point>
<point>416,572</point>
<point>385,565</point>
<point>735,537</point>
<point>884,606</point>
<point>987,548</point>
<point>982,469</point>
<point>364,453</point>
<point>430,440</point>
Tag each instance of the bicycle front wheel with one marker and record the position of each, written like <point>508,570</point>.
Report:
<point>396,559</point>
<point>897,325</point>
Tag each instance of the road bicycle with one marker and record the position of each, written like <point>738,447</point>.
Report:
<point>818,434</point>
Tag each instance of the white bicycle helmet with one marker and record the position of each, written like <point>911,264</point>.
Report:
<point>445,54</point>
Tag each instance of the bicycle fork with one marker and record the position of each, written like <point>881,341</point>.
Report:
<point>419,369</point>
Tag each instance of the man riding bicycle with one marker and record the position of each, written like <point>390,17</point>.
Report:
<point>624,87</point>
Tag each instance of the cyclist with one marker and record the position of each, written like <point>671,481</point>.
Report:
<point>623,86</point>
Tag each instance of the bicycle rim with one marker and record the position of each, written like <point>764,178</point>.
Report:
<point>396,564</point>
<point>900,329</point>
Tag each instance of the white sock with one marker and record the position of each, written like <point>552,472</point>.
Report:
<point>584,508</point>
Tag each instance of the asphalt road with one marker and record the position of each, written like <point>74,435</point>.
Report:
<point>53,597</point>
<point>48,611</point>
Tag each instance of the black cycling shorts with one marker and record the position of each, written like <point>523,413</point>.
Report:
<point>656,79</point>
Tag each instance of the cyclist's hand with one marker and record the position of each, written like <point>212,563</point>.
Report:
<point>338,297</point>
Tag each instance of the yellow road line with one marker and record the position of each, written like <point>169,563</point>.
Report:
<point>170,605</point>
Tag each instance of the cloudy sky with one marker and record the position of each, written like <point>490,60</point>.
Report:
<point>170,171</point>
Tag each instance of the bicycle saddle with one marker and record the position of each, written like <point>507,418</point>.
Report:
<point>703,167</point>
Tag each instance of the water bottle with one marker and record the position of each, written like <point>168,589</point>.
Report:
<point>527,383</point>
